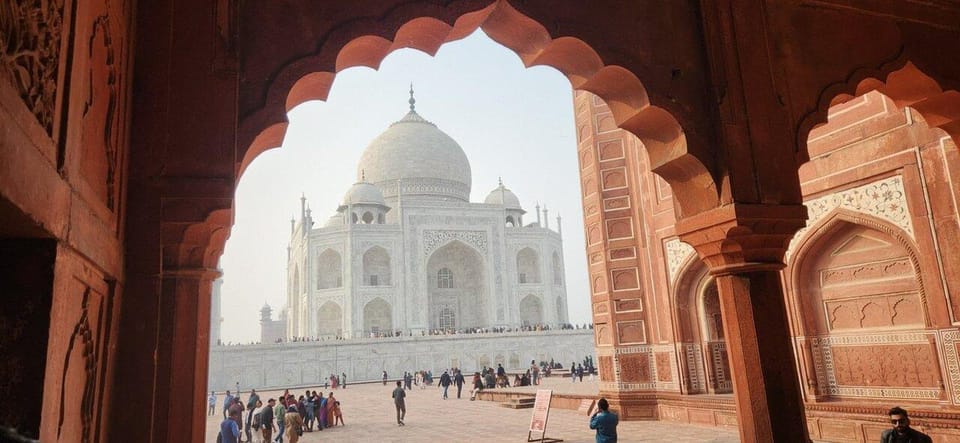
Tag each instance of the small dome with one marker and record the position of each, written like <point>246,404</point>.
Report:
<point>334,220</point>
<point>363,193</point>
<point>503,196</point>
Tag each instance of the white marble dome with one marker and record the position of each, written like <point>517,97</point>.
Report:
<point>503,196</point>
<point>363,193</point>
<point>427,161</point>
<point>334,220</point>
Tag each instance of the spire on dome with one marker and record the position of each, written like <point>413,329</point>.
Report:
<point>412,100</point>
<point>363,175</point>
<point>500,180</point>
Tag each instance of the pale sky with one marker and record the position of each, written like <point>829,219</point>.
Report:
<point>512,122</point>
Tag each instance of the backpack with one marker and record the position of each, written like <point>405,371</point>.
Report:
<point>256,420</point>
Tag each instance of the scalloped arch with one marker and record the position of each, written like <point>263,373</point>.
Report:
<point>905,84</point>
<point>689,175</point>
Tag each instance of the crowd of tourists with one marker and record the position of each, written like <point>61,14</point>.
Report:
<point>288,416</point>
<point>432,332</point>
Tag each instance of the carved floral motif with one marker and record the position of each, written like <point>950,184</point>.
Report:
<point>433,239</point>
<point>885,199</point>
<point>675,252</point>
<point>30,53</point>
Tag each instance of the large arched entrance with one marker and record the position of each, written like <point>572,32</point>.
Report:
<point>154,248</point>
<point>330,320</point>
<point>377,318</point>
<point>531,311</point>
<point>457,287</point>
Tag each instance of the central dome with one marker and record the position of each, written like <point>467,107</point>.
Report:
<point>426,161</point>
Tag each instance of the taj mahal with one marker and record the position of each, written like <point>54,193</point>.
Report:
<point>409,274</point>
<point>407,252</point>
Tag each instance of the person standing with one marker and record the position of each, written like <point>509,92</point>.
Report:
<point>398,402</point>
<point>238,388</point>
<point>278,412</point>
<point>444,384</point>
<point>236,412</point>
<point>211,403</point>
<point>266,421</point>
<point>458,379</point>
<point>580,372</point>
<point>343,378</point>
<point>254,434</point>
<point>227,401</point>
<point>322,412</point>
<point>534,373</point>
<point>229,432</point>
<point>294,423</point>
<point>605,422</point>
<point>384,377</point>
<point>331,403</point>
<point>901,431</point>
<point>249,426</point>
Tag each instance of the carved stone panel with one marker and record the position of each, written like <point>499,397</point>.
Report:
<point>30,54</point>
<point>625,279</point>
<point>635,368</point>
<point>605,364</point>
<point>631,332</point>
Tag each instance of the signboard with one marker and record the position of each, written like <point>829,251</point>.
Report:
<point>541,412</point>
<point>586,406</point>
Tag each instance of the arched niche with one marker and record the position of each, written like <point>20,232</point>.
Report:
<point>329,270</point>
<point>853,273</point>
<point>465,297</point>
<point>510,221</point>
<point>866,301</point>
<point>329,320</point>
<point>367,218</point>
<point>528,266</point>
<point>531,311</point>
<point>376,267</point>
<point>700,328</point>
<point>377,317</point>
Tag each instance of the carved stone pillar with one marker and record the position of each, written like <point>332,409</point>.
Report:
<point>183,353</point>
<point>743,246</point>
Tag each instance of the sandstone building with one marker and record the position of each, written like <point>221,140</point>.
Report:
<point>125,126</point>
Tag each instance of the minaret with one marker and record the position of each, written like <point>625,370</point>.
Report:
<point>559,225</point>
<point>539,225</point>
<point>293,224</point>
<point>303,206</point>
<point>546,218</point>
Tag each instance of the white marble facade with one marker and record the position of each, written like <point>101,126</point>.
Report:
<point>407,251</point>
<point>286,365</point>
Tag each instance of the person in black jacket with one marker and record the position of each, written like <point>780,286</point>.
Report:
<point>458,380</point>
<point>266,421</point>
<point>445,383</point>
<point>901,431</point>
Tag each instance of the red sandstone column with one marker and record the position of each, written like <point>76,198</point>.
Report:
<point>743,245</point>
<point>183,354</point>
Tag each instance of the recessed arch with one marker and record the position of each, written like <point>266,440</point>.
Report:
<point>464,303</point>
<point>329,320</point>
<point>531,311</point>
<point>329,270</point>
<point>844,240</point>
<point>688,171</point>
<point>376,267</point>
<point>528,266</point>
<point>377,317</point>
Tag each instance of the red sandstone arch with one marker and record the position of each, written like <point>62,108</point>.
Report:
<point>904,83</point>
<point>688,172</point>
<point>823,230</point>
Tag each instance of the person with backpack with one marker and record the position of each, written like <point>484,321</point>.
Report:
<point>252,426</point>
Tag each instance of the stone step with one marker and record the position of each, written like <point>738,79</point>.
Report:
<point>519,403</point>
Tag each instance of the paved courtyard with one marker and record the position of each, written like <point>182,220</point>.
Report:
<point>369,415</point>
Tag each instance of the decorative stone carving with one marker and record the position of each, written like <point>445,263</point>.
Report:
<point>631,332</point>
<point>100,121</point>
<point>611,150</point>
<point>614,178</point>
<point>675,252</point>
<point>433,239</point>
<point>635,368</point>
<point>885,199</point>
<point>624,279</point>
<point>628,305</point>
<point>30,53</point>
<point>951,357</point>
<point>664,366</point>
<point>619,228</point>
<point>892,365</point>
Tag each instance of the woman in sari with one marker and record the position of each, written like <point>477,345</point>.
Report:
<point>322,412</point>
<point>331,404</point>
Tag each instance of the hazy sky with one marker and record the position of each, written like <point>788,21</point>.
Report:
<point>512,122</point>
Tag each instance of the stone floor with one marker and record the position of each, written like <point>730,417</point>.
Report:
<point>369,415</point>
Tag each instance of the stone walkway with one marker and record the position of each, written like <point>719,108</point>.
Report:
<point>369,415</point>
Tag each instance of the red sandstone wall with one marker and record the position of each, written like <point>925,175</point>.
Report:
<point>870,283</point>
